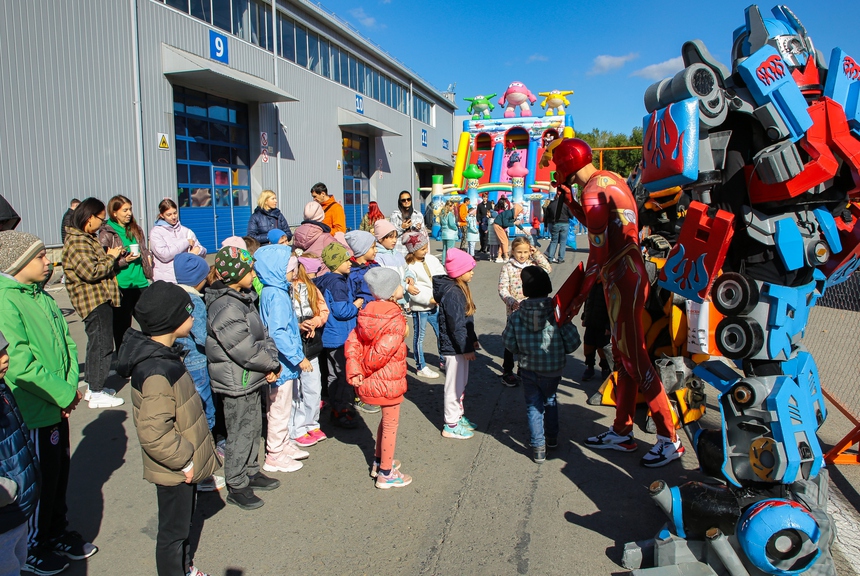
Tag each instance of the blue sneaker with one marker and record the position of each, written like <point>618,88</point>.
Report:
<point>466,423</point>
<point>458,432</point>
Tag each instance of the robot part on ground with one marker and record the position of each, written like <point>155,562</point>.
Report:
<point>769,152</point>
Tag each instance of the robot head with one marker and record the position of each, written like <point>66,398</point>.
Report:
<point>784,32</point>
<point>779,536</point>
<point>569,155</point>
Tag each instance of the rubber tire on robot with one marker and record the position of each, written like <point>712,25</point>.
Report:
<point>734,294</point>
<point>751,342</point>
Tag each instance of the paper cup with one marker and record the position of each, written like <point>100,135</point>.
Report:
<point>134,249</point>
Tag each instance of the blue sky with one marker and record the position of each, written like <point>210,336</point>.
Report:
<point>608,53</point>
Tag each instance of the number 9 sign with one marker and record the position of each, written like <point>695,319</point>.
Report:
<point>218,50</point>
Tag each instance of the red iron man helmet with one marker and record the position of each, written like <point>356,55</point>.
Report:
<point>570,155</point>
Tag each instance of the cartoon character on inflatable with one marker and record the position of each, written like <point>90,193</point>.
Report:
<point>770,154</point>
<point>517,95</point>
<point>555,100</point>
<point>480,106</point>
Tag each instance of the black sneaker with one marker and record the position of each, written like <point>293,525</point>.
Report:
<point>510,380</point>
<point>551,442</point>
<point>72,545</point>
<point>45,562</point>
<point>588,373</point>
<point>260,481</point>
<point>244,498</point>
<point>539,454</point>
<point>343,419</point>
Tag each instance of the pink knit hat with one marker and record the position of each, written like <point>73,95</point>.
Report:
<point>235,242</point>
<point>314,212</point>
<point>382,228</point>
<point>312,265</point>
<point>458,262</point>
<point>292,263</point>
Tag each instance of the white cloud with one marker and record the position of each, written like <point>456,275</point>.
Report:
<point>661,70</point>
<point>363,17</point>
<point>537,58</point>
<point>605,63</point>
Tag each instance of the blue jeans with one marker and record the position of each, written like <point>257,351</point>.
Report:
<point>204,389</point>
<point>558,240</point>
<point>541,406</point>
<point>419,327</point>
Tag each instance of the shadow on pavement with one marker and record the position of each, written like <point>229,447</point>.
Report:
<point>99,454</point>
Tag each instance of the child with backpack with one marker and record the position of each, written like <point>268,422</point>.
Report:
<point>542,345</point>
<point>376,367</point>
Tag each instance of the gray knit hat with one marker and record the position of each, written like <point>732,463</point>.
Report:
<point>360,242</point>
<point>17,249</point>
<point>3,343</point>
<point>382,282</point>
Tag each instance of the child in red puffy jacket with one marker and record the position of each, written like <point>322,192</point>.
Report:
<point>376,367</point>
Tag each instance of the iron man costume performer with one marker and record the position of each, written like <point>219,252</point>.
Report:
<point>608,208</point>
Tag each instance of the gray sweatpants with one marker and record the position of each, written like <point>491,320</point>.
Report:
<point>243,418</point>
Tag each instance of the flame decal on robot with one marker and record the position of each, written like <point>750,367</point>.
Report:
<point>771,70</point>
<point>850,68</point>
<point>664,147</point>
<point>684,276</point>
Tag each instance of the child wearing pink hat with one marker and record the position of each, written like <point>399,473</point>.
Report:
<point>457,338</point>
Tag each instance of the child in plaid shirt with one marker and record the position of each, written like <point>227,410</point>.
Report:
<point>533,334</point>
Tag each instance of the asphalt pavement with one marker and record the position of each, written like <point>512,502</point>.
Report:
<point>477,506</point>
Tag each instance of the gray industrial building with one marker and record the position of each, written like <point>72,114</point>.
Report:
<point>207,102</point>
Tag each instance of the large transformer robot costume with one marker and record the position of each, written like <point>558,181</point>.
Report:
<point>770,153</point>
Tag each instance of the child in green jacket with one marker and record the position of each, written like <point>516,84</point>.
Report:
<point>43,377</point>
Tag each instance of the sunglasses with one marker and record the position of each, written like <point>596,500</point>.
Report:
<point>405,201</point>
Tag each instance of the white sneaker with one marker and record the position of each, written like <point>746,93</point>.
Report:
<point>211,484</point>
<point>426,372</point>
<point>500,261</point>
<point>281,464</point>
<point>663,452</point>
<point>88,394</point>
<point>611,440</point>
<point>104,400</point>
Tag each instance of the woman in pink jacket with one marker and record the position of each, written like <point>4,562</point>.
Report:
<point>168,239</point>
<point>312,236</point>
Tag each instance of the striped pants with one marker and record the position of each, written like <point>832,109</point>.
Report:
<point>49,519</point>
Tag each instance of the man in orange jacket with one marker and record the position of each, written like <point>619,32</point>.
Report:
<point>334,215</point>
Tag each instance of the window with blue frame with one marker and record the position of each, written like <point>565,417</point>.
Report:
<point>212,160</point>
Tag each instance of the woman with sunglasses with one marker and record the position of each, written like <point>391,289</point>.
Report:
<point>405,219</point>
<point>91,270</point>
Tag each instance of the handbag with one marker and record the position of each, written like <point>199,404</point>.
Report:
<point>312,346</point>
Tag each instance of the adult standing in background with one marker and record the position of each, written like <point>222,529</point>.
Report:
<point>334,215</point>
<point>462,214</point>
<point>503,221</point>
<point>167,239</point>
<point>449,228</point>
<point>67,218</point>
<point>369,219</point>
<point>481,212</point>
<point>135,263</point>
<point>558,231</point>
<point>91,282</point>
<point>267,217</point>
<point>405,219</point>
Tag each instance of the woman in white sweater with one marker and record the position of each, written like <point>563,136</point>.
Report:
<point>424,309</point>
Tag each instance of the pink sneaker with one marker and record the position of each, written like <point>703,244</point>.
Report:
<point>318,434</point>
<point>281,464</point>
<point>293,451</point>
<point>305,441</point>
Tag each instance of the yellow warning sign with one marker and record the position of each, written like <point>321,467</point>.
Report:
<point>163,143</point>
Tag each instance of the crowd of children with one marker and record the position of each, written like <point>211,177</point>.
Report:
<point>275,328</point>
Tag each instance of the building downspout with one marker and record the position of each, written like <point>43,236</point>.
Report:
<point>138,118</point>
<point>415,179</point>
<point>276,104</point>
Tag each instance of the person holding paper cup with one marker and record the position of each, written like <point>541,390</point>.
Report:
<point>135,262</point>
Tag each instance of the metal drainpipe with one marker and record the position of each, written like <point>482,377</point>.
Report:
<point>138,117</point>
<point>275,104</point>
<point>411,138</point>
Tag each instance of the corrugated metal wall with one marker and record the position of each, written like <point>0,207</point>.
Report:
<point>67,105</point>
<point>68,124</point>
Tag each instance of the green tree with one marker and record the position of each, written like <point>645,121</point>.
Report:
<point>621,161</point>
